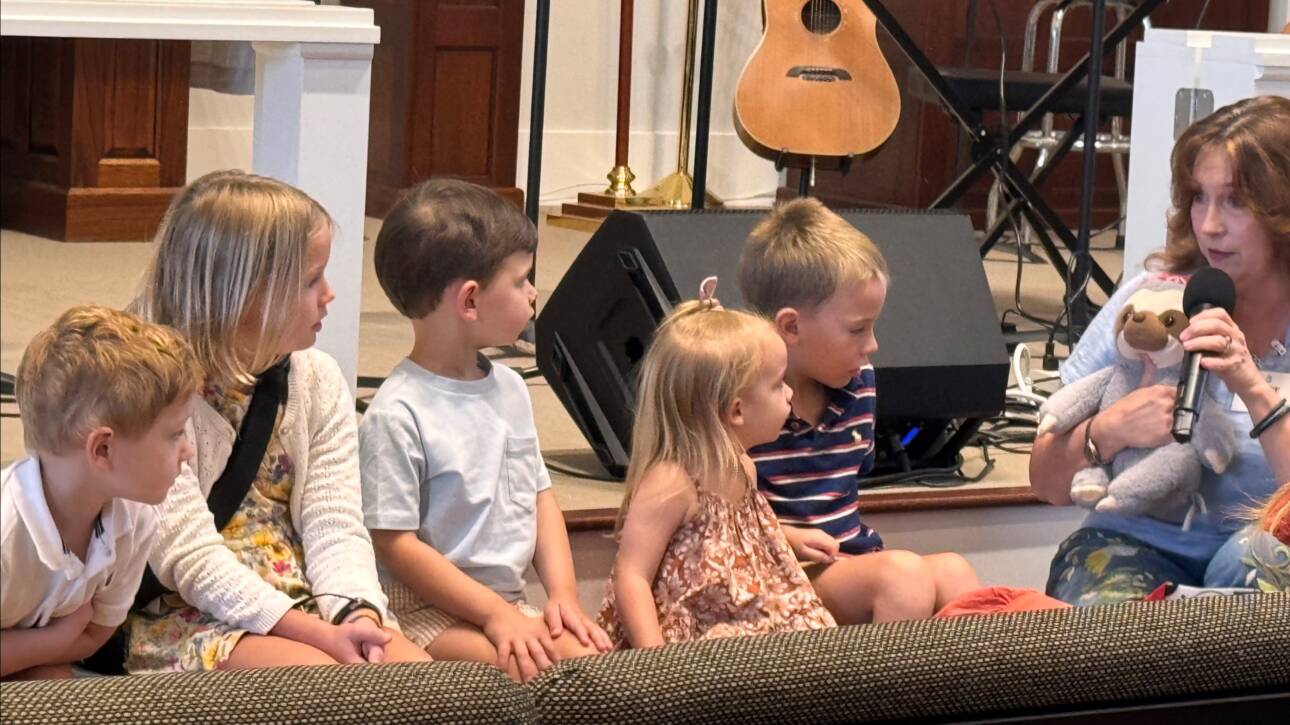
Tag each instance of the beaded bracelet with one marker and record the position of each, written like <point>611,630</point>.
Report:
<point>1270,419</point>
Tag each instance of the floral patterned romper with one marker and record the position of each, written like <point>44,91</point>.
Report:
<point>727,572</point>
<point>183,638</point>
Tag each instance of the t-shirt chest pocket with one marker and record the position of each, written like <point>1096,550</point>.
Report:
<point>520,472</point>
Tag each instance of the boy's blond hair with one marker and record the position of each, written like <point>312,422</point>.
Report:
<point>800,254</point>
<point>443,230</point>
<point>701,358</point>
<point>231,247</point>
<point>98,366</point>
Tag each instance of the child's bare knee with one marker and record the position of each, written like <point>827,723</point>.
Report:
<point>907,588</point>
<point>569,647</point>
<point>904,567</point>
<point>953,565</point>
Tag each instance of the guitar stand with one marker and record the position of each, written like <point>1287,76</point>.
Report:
<point>990,151</point>
<point>808,168</point>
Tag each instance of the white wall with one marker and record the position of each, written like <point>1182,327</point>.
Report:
<point>582,92</point>
<point>219,131</point>
<point>1278,15</point>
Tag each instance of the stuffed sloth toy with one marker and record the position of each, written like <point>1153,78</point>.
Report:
<point>1161,482</point>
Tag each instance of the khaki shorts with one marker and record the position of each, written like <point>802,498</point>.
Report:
<point>422,623</point>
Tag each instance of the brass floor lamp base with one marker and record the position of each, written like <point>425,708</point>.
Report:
<point>675,191</point>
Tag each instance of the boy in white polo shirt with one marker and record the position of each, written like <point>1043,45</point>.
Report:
<point>455,492</point>
<point>104,399</point>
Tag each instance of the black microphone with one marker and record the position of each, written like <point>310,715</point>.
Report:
<point>1207,289</point>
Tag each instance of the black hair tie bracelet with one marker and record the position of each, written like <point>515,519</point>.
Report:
<point>1270,419</point>
<point>352,605</point>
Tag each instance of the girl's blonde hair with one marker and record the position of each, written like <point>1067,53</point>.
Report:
<point>702,357</point>
<point>231,247</point>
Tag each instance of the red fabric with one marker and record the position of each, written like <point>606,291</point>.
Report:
<point>999,599</point>
<point>1159,594</point>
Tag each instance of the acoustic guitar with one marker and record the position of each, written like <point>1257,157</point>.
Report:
<point>817,84</point>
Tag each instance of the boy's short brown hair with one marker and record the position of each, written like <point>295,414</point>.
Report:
<point>799,255</point>
<point>98,366</point>
<point>443,230</point>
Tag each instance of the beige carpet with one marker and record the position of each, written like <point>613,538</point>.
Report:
<point>39,278</point>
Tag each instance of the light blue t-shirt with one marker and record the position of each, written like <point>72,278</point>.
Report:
<point>1228,497</point>
<point>458,462</point>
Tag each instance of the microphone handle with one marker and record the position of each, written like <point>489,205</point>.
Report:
<point>1191,387</point>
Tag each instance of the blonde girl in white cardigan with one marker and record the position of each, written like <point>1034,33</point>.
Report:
<point>291,579</point>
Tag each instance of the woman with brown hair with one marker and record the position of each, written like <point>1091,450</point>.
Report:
<point>1231,211</point>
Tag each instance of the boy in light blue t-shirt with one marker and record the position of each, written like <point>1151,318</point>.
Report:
<point>455,492</point>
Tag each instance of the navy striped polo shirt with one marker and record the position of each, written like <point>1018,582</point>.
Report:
<point>810,474</point>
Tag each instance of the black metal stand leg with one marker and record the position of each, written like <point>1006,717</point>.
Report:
<point>533,187</point>
<point>1035,203</point>
<point>1077,298</point>
<point>987,156</point>
<point>1036,178</point>
<point>990,152</point>
<point>804,179</point>
<point>703,114</point>
<point>537,114</point>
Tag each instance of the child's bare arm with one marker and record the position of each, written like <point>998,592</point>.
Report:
<point>438,582</point>
<point>22,649</point>
<point>89,641</point>
<point>663,500</point>
<point>553,560</point>
<point>433,577</point>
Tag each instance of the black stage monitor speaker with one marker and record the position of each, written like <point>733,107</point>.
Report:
<point>941,364</point>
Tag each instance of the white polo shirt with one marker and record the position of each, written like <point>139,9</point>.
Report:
<point>40,580</point>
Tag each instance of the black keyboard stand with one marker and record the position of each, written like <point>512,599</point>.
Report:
<point>990,152</point>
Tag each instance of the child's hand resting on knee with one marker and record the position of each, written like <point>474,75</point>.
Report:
<point>525,638</point>
<point>371,646</point>
<point>358,639</point>
<point>812,545</point>
<point>562,614</point>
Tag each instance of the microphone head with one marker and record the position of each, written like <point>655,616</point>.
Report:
<point>1209,287</point>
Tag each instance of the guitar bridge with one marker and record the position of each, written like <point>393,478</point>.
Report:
<point>821,74</point>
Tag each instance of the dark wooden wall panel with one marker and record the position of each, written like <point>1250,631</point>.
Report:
<point>95,135</point>
<point>923,155</point>
<point>456,149</point>
<point>393,61</point>
<point>445,95</point>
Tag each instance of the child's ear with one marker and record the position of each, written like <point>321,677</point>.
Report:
<point>468,300</point>
<point>735,413</point>
<point>98,447</point>
<point>786,323</point>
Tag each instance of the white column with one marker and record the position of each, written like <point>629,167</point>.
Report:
<point>311,115</point>
<point>1278,15</point>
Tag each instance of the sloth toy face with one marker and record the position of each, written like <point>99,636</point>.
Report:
<point>1149,325</point>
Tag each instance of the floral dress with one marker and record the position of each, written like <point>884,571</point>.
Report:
<point>727,572</point>
<point>169,634</point>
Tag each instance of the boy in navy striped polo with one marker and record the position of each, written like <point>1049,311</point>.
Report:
<point>823,284</point>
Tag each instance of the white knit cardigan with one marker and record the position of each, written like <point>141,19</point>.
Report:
<point>318,432</point>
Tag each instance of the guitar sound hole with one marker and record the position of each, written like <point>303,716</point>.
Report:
<point>821,16</point>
